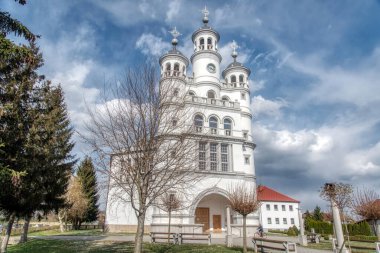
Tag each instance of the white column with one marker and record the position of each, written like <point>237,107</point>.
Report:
<point>338,228</point>
<point>302,237</point>
<point>229,232</point>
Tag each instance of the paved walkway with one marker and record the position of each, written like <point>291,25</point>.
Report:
<point>238,241</point>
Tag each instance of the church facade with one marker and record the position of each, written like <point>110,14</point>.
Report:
<point>220,105</point>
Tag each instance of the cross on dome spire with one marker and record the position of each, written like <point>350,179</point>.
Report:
<point>234,46</point>
<point>205,17</point>
<point>175,34</point>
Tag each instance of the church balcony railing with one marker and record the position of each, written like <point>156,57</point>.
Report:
<point>204,47</point>
<point>220,132</point>
<point>214,102</point>
<point>235,85</point>
<point>173,73</point>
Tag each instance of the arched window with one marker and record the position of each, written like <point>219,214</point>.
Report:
<point>167,69</point>
<point>209,43</point>
<point>191,93</point>
<point>225,98</point>
<point>227,126</point>
<point>210,94</point>
<point>175,92</point>
<point>198,121</point>
<point>241,79</point>
<point>176,69</point>
<point>213,122</point>
<point>233,79</point>
<point>202,43</point>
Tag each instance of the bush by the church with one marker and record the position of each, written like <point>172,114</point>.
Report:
<point>293,231</point>
<point>322,227</point>
<point>361,228</point>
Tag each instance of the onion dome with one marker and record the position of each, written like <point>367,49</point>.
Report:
<point>235,65</point>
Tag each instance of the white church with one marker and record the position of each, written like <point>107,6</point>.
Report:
<point>220,100</point>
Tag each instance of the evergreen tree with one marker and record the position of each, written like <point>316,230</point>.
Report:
<point>86,173</point>
<point>317,214</point>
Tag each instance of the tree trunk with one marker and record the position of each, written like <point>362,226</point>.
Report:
<point>25,228</point>
<point>170,217</point>
<point>244,233</point>
<point>61,215</point>
<point>5,241</point>
<point>139,233</point>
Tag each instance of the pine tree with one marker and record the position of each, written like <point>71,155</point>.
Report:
<point>317,214</point>
<point>86,173</point>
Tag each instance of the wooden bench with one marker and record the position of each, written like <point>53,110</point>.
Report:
<point>154,236</point>
<point>264,243</point>
<point>194,237</point>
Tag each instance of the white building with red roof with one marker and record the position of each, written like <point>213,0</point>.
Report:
<point>278,211</point>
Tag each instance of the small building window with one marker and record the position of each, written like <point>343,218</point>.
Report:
<point>285,221</point>
<point>283,207</point>
<point>167,69</point>
<point>174,122</point>
<point>202,156</point>
<point>227,126</point>
<point>246,159</point>
<point>268,207</point>
<point>243,96</point>
<point>202,43</point>
<point>198,122</point>
<point>269,220</point>
<point>224,156</point>
<point>176,69</point>
<point>213,124</point>
<point>291,208</point>
<point>245,135</point>
<point>175,92</point>
<point>191,93</point>
<point>292,221</point>
<point>233,79</point>
<point>277,220</point>
<point>172,154</point>
<point>210,94</point>
<point>276,207</point>
<point>209,43</point>
<point>241,79</point>
<point>213,156</point>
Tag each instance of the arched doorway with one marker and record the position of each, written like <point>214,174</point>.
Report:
<point>211,213</point>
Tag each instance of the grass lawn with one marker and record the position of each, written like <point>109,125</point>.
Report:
<point>327,245</point>
<point>58,246</point>
<point>71,232</point>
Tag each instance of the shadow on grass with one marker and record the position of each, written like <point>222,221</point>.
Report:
<point>62,246</point>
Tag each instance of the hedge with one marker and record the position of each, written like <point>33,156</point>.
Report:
<point>322,227</point>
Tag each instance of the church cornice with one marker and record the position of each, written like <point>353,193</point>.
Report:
<point>206,53</point>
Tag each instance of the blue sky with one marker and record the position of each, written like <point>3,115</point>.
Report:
<point>315,83</point>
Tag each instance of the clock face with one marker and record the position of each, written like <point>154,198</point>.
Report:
<point>211,68</point>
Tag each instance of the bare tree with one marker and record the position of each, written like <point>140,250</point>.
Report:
<point>77,201</point>
<point>243,199</point>
<point>143,132</point>
<point>170,202</point>
<point>366,204</point>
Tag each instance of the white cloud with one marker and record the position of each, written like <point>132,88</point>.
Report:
<point>264,106</point>
<point>173,10</point>
<point>152,45</point>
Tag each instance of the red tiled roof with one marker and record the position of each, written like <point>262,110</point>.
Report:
<point>265,193</point>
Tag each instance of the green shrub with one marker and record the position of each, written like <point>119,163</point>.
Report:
<point>293,231</point>
<point>361,228</point>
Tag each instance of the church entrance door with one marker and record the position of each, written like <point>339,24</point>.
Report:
<point>202,216</point>
<point>217,223</point>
